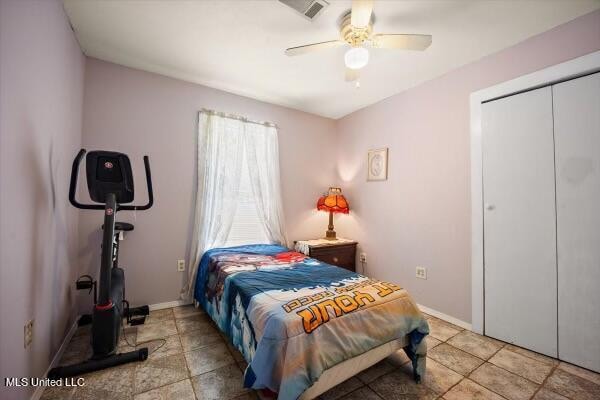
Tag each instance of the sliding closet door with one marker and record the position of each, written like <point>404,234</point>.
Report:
<point>520,221</point>
<point>577,133</point>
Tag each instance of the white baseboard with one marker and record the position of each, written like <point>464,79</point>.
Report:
<point>445,317</point>
<point>168,304</point>
<point>40,389</point>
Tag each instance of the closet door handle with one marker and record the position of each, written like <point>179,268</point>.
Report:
<point>489,206</point>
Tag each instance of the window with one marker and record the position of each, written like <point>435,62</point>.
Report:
<point>247,227</point>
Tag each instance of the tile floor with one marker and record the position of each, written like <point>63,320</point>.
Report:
<point>197,363</point>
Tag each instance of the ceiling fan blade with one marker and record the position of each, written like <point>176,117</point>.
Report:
<point>401,41</point>
<point>352,74</point>
<point>361,13</point>
<point>296,51</point>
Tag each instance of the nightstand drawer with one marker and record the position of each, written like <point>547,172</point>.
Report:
<point>341,256</point>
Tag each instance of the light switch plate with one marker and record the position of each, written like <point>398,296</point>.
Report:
<point>421,273</point>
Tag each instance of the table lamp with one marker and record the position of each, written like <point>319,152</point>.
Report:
<point>333,202</point>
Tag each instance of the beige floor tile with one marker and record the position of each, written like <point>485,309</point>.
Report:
<point>455,359</point>
<point>78,350</point>
<point>442,330</point>
<point>186,311</point>
<point>83,330</point>
<point>572,386</point>
<point>342,389</point>
<point>194,340</point>
<point>157,348</point>
<point>108,384</point>
<point>181,390</point>
<point>431,342</point>
<point>160,315</point>
<point>545,394</point>
<point>199,322</point>
<point>467,389</point>
<point>375,371</point>
<point>364,393</point>
<point>213,362</point>
<point>580,372</point>
<point>399,385</point>
<point>157,330</point>
<point>128,336</point>
<point>438,378</point>
<point>521,365</point>
<point>155,373</point>
<point>208,358</point>
<point>480,346</point>
<point>505,383</point>
<point>532,354</point>
<point>221,384</point>
<point>58,393</point>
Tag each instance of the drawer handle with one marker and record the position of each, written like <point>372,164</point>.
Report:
<point>335,259</point>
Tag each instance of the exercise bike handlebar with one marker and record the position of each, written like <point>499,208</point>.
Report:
<point>73,187</point>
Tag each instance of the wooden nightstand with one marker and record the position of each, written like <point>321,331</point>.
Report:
<point>340,252</point>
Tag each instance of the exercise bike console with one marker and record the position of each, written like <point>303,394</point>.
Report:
<point>108,172</point>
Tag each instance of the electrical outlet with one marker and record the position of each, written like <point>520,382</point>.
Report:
<point>180,265</point>
<point>28,333</point>
<point>421,273</point>
<point>363,257</point>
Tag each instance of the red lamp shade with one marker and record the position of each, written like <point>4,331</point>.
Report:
<point>333,202</point>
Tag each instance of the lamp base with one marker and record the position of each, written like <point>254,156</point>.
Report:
<point>330,234</point>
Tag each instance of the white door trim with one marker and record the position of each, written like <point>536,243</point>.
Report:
<point>570,69</point>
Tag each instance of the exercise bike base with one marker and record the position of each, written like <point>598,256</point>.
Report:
<point>96,365</point>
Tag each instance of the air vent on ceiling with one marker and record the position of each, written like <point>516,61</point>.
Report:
<point>310,9</point>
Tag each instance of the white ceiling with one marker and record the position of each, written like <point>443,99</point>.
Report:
<point>238,45</point>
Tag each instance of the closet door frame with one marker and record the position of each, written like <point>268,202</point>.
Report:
<point>571,69</point>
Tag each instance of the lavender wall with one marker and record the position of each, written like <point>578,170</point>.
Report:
<point>41,96</point>
<point>421,215</point>
<point>143,113</point>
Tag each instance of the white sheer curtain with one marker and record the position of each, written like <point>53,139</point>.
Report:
<point>262,153</point>
<point>224,142</point>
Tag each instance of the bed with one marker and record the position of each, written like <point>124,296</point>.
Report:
<point>302,325</point>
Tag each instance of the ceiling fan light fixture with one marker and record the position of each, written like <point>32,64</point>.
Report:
<point>356,57</point>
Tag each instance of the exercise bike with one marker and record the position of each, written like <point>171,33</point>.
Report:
<point>109,181</point>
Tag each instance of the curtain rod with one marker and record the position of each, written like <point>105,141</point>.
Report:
<point>237,117</point>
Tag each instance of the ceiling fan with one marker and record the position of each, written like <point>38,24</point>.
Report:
<point>356,30</point>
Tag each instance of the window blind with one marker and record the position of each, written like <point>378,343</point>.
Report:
<point>247,227</point>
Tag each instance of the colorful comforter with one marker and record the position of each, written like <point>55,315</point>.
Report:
<point>293,317</point>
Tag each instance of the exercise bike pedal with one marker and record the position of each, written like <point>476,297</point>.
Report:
<point>86,282</point>
<point>140,320</point>
<point>142,310</point>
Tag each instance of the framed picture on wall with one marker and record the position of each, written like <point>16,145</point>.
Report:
<point>377,165</point>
